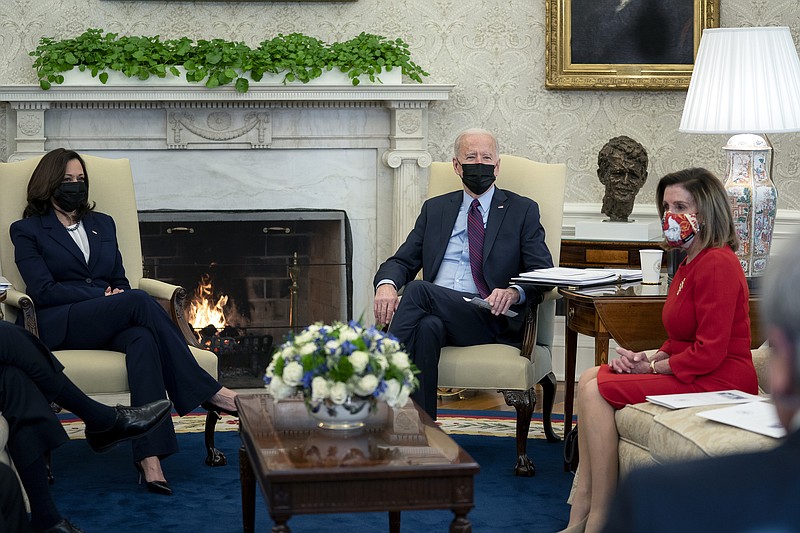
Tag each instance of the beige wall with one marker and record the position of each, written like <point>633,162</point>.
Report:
<point>492,50</point>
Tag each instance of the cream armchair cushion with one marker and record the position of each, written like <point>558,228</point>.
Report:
<point>501,367</point>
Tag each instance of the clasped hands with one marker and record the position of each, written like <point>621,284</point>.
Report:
<point>110,291</point>
<point>630,362</point>
<point>386,302</point>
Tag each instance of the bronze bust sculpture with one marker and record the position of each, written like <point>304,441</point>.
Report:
<point>622,168</point>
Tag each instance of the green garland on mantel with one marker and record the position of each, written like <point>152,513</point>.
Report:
<point>218,62</point>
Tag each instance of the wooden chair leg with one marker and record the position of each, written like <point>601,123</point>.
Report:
<point>214,457</point>
<point>549,386</point>
<point>523,402</point>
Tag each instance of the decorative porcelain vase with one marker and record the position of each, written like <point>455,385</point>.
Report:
<point>754,199</point>
<point>347,416</point>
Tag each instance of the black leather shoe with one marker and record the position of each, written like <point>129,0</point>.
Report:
<point>63,526</point>
<point>131,422</point>
<point>156,487</point>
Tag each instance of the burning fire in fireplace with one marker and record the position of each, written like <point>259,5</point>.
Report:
<point>203,310</point>
<point>243,357</point>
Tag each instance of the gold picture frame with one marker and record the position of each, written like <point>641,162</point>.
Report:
<point>602,47</point>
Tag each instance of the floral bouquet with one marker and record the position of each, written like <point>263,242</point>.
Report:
<point>335,364</point>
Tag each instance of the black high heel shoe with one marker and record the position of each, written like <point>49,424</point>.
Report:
<point>157,487</point>
<point>208,406</point>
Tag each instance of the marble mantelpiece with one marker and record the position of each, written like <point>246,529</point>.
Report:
<point>362,149</point>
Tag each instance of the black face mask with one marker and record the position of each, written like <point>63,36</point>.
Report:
<point>478,177</point>
<point>70,195</point>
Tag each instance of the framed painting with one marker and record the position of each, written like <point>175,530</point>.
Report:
<point>624,44</point>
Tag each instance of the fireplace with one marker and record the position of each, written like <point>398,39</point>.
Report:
<point>255,275</point>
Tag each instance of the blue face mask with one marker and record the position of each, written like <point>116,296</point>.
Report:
<point>478,177</point>
<point>70,195</point>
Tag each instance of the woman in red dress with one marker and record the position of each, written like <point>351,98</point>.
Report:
<point>708,328</point>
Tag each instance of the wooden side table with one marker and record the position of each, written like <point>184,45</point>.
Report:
<point>581,253</point>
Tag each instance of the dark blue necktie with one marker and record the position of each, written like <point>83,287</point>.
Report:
<point>475,237</point>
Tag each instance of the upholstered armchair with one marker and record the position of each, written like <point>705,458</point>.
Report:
<point>510,370</point>
<point>98,371</point>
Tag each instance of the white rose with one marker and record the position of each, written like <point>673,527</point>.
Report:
<point>293,374</point>
<point>381,361</point>
<point>319,389</point>
<point>359,360</point>
<point>288,352</point>
<point>332,347</point>
<point>348,334</point>
<point>307,349</point>
<point>270,369</point>
<point>279,389</point>
<point>402,398</point>
<point>400,360</point>
<point>366,385</point>
<point>390,345</point>
<point>391,391</point>
<point>338,393</point>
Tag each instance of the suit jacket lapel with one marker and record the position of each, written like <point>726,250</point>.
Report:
<point>497,213</point>
<point>90,225</point>
<point>57,232</point>
<point>449,214</point>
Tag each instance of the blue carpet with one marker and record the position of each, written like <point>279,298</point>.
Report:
<point>99,494</point>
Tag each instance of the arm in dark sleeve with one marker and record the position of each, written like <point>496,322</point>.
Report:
<point>406,263</point>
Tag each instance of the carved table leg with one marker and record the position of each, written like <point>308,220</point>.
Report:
<point>248,481</point>
<point>460,523</point>
<point>394,521</point>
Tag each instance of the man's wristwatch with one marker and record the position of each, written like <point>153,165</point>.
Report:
<point>653,367</point>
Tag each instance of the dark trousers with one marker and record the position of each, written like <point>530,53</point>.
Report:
<point>430,317</point>
<point>13,518</point>
<point>30,378</point>
<point>156,356</point>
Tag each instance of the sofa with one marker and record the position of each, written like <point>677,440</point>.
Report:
<point>650,434</point>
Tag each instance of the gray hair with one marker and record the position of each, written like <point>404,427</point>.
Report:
<point>475,131</point>
<point>780,297</point>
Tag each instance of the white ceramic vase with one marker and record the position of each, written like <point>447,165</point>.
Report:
<point>347,416</point>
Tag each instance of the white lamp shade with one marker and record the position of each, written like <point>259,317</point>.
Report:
<point>745,80</point>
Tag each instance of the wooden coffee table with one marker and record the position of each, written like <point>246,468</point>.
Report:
<point>401,461</point>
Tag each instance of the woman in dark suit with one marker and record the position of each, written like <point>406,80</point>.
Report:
<point>31,378</point>
<point>67,253</point>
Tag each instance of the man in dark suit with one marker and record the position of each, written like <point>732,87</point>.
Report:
<point>753,492</point>
<point>468,243</point>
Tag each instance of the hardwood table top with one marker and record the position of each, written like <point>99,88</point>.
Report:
<point>400,461</point>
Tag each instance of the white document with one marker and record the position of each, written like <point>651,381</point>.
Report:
<point>579,277</point>
<point>480,302</point>
<point>4,284</point>
<point>696,399</point>
<point>758,417</point>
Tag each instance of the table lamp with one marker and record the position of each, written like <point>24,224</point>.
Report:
<point>746,81</point>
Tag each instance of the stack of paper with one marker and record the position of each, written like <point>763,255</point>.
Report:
<point>695,399</point>
<point>758,417</point>
<point>578,276</point>
<point>4,284</point>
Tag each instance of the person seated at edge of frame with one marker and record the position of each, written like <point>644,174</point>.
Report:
<point>748,492</point>
<point>30,378</point>
<point>706,317</point>
<point>68,256</point>
<point>468,243</point>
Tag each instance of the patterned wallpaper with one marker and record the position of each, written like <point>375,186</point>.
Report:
<point>492,50</point>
